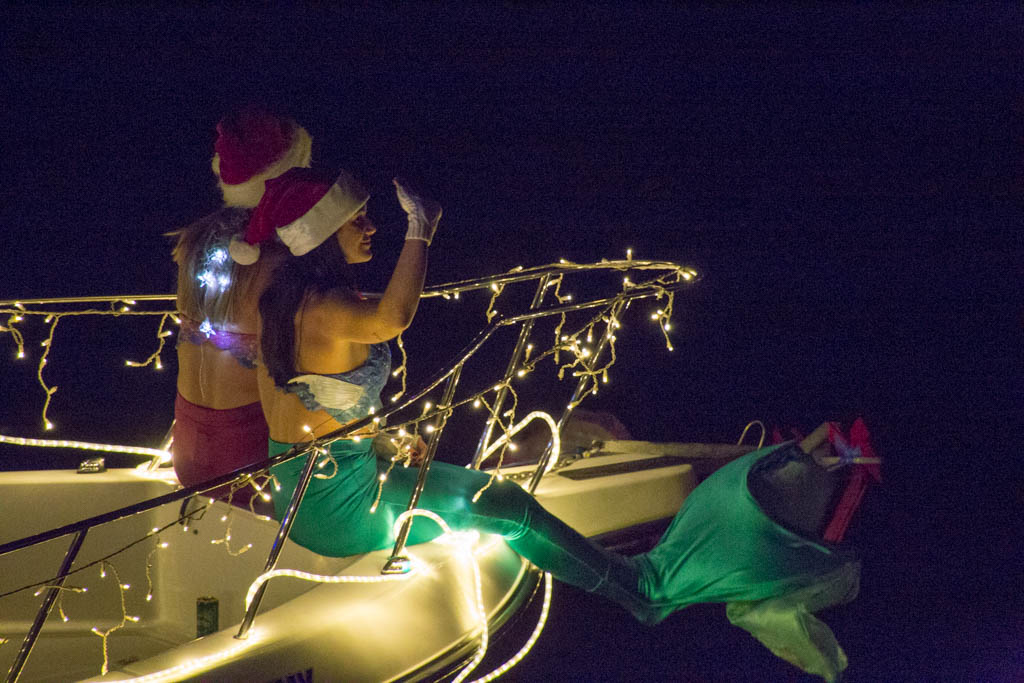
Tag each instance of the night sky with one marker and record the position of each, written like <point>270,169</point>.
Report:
<point>847,177</point>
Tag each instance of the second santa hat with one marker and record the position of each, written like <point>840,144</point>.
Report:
<point>302,209</point>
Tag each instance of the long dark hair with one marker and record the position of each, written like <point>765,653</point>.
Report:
<point>320,271</point>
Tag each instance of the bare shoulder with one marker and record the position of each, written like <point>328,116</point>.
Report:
<point>331,312</point>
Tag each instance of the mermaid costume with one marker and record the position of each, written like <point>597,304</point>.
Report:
<point>720,547</point>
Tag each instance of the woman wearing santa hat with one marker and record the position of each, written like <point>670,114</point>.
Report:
<point>218,423</point>
<point>325,358</point>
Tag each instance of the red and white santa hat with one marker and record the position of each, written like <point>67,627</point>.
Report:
<point>302,209</point>
<point>252,146</point>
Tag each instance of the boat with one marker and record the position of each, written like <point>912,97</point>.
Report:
<point>121,573</point>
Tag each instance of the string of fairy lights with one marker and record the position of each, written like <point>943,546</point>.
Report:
<point>574,350</point>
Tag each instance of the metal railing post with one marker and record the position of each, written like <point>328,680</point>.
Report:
<point>517,354</point>
<point>398,563</point>
<point>44,610</point>
<point>282,535</point>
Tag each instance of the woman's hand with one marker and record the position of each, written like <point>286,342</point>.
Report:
<point>415,449</point>
<point>424,214</point>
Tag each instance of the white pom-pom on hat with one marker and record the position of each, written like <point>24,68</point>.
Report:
<point>242,252</point>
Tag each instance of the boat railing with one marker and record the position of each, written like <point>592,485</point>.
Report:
<point>666,279</point>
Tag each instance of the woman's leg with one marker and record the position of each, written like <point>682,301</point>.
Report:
<point>509,511</point>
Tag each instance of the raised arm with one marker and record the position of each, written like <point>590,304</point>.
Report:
<point>341,315</point>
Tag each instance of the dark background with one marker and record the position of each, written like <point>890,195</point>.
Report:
<point>847,178</point>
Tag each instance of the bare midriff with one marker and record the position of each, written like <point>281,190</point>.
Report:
<point>212,378</point>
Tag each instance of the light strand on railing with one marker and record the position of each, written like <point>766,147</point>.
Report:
<point>327,457</point>
<point>558,339</point>
<point>61,590</point>
<point>19,339</point>
<point>570,343</point>
<point>504,442</point>
<point>557,284</point>
<point>154,357</point>
<point>404,444</point>
<point>99,561</point>
<point>261,492</point>
<point>160,545</point>
<point>583,356</point>
<point>496,292</point>
<point>401,370</point>
<point>125,618</point>
<point>556,446</point>
<point>51,318</point>
<point>47,344</point>
<point>226,539</point>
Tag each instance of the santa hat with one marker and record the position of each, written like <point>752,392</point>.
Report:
<point>302,209</point>
<point>253,146</point>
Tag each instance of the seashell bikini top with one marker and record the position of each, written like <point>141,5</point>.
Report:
<point>242,346</point>
<point>350,395</point>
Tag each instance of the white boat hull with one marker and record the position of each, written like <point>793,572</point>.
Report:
<point>409,628</point>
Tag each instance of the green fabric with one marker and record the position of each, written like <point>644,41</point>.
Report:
<point>787,627</point>
<point>721,547</point>
<point>334,517</point>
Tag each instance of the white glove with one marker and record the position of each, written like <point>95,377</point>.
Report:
<point>424,214</point>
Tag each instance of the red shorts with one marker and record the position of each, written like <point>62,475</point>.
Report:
<point>208,443</point>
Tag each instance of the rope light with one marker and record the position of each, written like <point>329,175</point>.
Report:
<point>572,351</point>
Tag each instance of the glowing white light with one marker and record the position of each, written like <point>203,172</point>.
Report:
<point>556,444</point>
<point>321,578</point>
<point>218,256</point>
<point>206,328</point>
<point>541,621</point>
